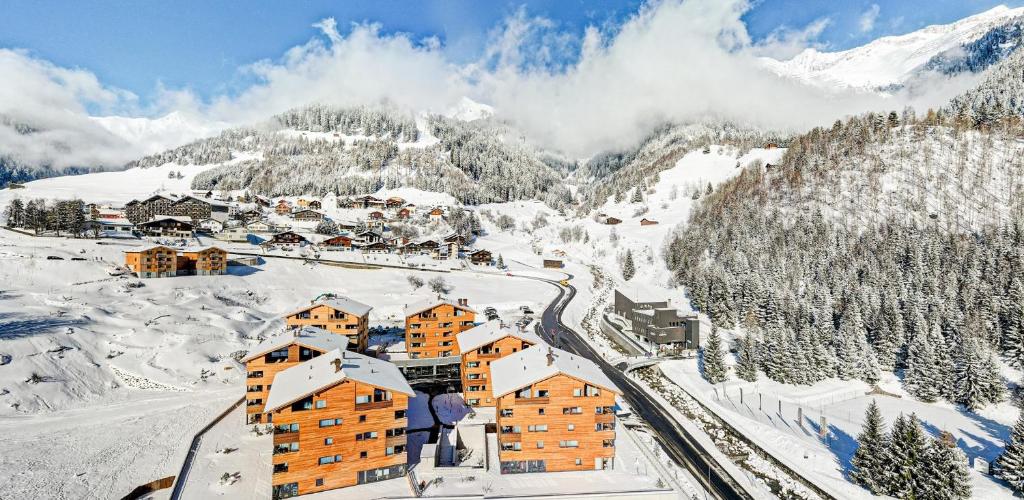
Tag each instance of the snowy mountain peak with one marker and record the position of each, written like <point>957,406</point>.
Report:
<point>469,110</point>
<point>888,60</point>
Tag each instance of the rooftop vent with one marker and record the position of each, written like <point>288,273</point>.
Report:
<point>337,365</point>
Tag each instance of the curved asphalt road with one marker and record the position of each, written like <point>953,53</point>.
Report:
<point>679,444</point>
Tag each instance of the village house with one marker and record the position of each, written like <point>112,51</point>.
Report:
<point>166,226</point>
<point>403,213</point>
<point>302,202</point>
<point>366,237</point>
<point>340,420</point>
<point>210,226</point>
<point>555,412</point>
<point>552,263</point>
<point>432,324</point>
<point>436,215</point>
<point>376,215</point>
<point>154,261</point>
<point>249,215</point>
<point>375,247</point>
<point>367,202</point>
<point>203,261</point>
<point>283,207</point>
<point>308,215</point>
<point>647,222</point>
<point>233,234</point>
<point>277,353</point>
<point>315,205</point>
<point>259,226</point>
<point>337,243</point>
<point>484,344</point>
<point>338,315</point>
<point>261,201</point>
<point>394,202</point>
<point>287,239</point>
<point>111,228</point>
<point>481,257</point>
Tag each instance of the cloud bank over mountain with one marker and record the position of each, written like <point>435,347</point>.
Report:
<point>673,61</point>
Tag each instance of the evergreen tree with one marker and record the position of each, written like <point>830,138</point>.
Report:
<point>1010,465</point>
<point>501,262</point>
<point>922,378</point>
<point>973,379</point>
<point>628,268</point>
<point>713,358</point>
<point>638,197</point>
<point>871,461</point>
<point>944,473</point>
<point>746,365</point>
<point>907,447</point>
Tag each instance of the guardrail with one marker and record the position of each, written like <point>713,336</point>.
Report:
<point>193,450</point>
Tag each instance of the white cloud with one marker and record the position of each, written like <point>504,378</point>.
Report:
<point>673,61</point>
<point>868,18</point>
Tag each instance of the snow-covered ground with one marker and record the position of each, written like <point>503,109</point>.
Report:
<point>110,367</point>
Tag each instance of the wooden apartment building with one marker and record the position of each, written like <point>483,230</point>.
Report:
<point>484,344</point>
<point>431,327</point>
<point>154,261</point>
<point>277,353</point>
<point>555,412</point>
<point>203,261</point>
<point>339,420</point>
<point>338,315</point>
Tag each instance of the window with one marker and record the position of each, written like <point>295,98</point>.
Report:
<point>362,418</point>
<point>321,404</point>
<point>540,411</point>
<point>362,399</point>
<point>572,427</point>
<point>393,450</point>
<point>540,444</point>
<point>577,393</point>
<point>399,431</point>
<point>363,436</point>
<point>326,460</point>
<point>542,393</point>
<point>279,468</point>
<point>608,443</point>
<point>255,374</point>
<point>328,441</point>
<point>362,454</point>
<point>524,393</point>
<point>539,428</point>
<point>604,410</point>
<point>399,414</point>
<point>592,391</point>
<point>569,444</point>
<point>473,401</point>
<point>575,410</point>
<point>319,481</point>
<point>506,412</point>
<point>328,422</point>
<point>579,461</point>
<point>285,428</point>
<point>473,364</point>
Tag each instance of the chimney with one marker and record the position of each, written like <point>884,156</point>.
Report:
<point>337,365</point>
<point>551,356</point>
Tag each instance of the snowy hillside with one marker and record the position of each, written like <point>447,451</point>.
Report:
<point>889,60</point>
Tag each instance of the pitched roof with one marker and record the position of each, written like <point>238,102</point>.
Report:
<point>345,304</point>
<point>492,331</point>
<point>197,249</point>
<point>531,365</point>
<point>180,218</point>
<point>330,369</point>
<point>430,303</point>
<point>146,248</point>
<point>307,336</point>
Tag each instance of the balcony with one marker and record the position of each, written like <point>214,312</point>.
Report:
<point>395,440</point>
<point>373,405</point>
<point>511,437</point>
<point>284,438</point>
<point>532,401</point>
<point>489,355</point>
<point>605,418</point>
<point>254,409</point>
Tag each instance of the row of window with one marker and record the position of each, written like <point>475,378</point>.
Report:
<point>518,446</point>
<point>576,410</point>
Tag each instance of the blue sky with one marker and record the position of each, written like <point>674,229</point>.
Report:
<point>199,45</point>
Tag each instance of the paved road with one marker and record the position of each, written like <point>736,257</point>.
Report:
<point>679,444</point>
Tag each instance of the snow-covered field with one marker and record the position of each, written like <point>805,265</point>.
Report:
<point>109,367</point>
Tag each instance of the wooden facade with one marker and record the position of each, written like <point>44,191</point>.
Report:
<point>152,262</point>
<point>335,320</point>
<point>167,227</point>
<point>482,257</point>
<point>476,368</point>
<point>290,238</point>
<point>430,331</point>
<point>260,369</point>
<point>557,424</point>
<point>307,215</point>
<point>203,261</point>
<point>337,242</point>
<point>648,222</point>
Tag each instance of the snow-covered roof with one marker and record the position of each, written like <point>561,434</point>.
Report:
<point>307,336</point>
<point>330,369</point>
<point>431,302</point>
<point>531,365</point>
<point>492,331</point>
<point>145,248</point>
<point>117,221</point>
<point>179,218</point>
<point>198,249</point>
<point>345,304</point>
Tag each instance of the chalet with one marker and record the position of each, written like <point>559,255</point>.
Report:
<point>203,261</point>
<point>302,202</point>
<point>348,412</point>
<point>277,353</point>
<point>287,238</point>
<point>367,202</point>
<point>403,213</point>
<point>209,226</point>
<point>337,243</point>
<point>771,145</point>
<point>376,215</point>
<point>154,261</point>
<point>167,226</point>
<point>410,207</point>
<point>259,227</point>
<point>445,251</point>
<point>394,202</point>
<point>283,208</point>
<point>338,315</point>
<point>409,248</point>
<point>249,215</point>
<point>141,211</point>
<point>308,215</point>
<point>555,412</point>
<point>611,221</point>
<point>436,215</point>
<point>315,205</point>
<point>111,228</point>
<point>648,222</point>
<point>367,237</point>
<point>456,238</point>
<point>346,225</point>
<point>481,257</point>
<point>233,234</point>
<point>375,224</point>
<point>375,247</point>
<point>482,345</point>
<point>552,263</point>
<point>432,324</point>
<point>261,201</point>
<point>428,245</point>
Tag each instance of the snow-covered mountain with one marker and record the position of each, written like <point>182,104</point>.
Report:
<point>152,135</point>
<point>469,110</point>
<point>892,60</point>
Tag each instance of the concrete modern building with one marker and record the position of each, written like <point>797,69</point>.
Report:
<point>655,321</point>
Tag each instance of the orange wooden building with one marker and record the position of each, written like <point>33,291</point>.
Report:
<point>484,344</point>
<point>277,353</point>
<point>340,315</point>
<point>203,261</point>
<point>155,261</point>
<point>339,420</point>
<point>555,412</point>
<point>432,324</point>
